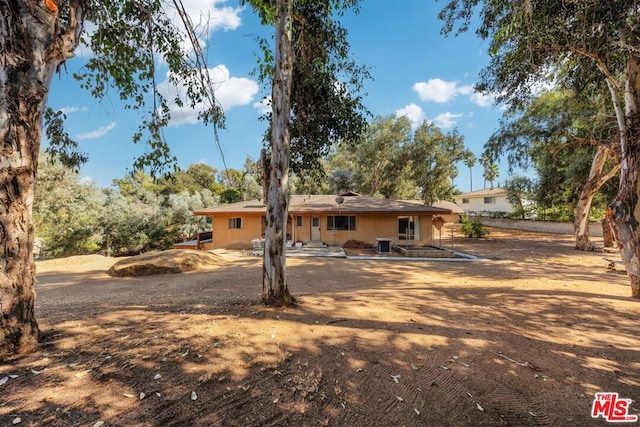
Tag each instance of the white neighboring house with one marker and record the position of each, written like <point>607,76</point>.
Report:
<point>484,202</point>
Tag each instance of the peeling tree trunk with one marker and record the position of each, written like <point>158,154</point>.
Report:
<point>607,233</point>
<point>624,211</point>
<point>594,182</point>
<point>274,278</point>
<point>31,48</point>
<point>24,82</point>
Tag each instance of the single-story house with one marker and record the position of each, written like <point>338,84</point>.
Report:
<point>330,219</point>
<point>453,216</point>
<point>484,202</point>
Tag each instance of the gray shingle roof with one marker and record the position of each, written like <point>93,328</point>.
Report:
<point>327,204</point>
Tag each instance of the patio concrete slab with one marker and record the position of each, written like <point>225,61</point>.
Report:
<point>329,251</point>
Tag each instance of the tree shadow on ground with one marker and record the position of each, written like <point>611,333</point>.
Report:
<point>370,344</point>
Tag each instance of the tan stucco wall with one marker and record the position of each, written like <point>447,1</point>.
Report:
<point>302,233</point>
<point>368,228</point>
<point>235,238</point>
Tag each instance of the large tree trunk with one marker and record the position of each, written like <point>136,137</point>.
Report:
<point>31,48</point>
<point>274,277</point>
<point>594,182</point>
<point>607,233</point>
<point>24,81</point>
<point>624,211</point>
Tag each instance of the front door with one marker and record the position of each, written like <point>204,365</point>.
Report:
<point>315,228</point>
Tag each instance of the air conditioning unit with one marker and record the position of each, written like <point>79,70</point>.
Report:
<point>383,245</point>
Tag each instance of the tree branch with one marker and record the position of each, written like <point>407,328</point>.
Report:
<point>602,66</point>
<point>70,39</point>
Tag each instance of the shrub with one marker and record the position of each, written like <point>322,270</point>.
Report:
<point>473,229</point>
<point>356,244</point>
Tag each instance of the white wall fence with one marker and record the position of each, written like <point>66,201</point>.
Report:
<point>595,228</point>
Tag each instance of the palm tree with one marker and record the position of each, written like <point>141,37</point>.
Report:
<point>490,169</point>
<point>490,173</point>
<point>470,161</point>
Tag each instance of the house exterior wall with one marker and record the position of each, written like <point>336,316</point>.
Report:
<point>368,228</point>
<point>234,238</point>
<point>477,204</point>
<point>302,233</point>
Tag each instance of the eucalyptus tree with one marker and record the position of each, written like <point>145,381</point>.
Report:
<point>520,193</point>
<point>314,103</point>
<point>598,41</point>
<point>341,166</point>
<point>570,125</point>
<point>66,211</point>
<point>382,155</point>
<point>433,159</point>
<point>36,38</point>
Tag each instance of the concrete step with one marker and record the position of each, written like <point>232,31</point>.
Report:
<point>314,244</point>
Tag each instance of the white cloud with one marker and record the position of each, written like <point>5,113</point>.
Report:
<point>87,180</point>
<point>446,120</point>
<point>436,90</point>
<point>229,91</point>
<point>263,106</point>
<point>207,16</point>
<point>232,91</point>
<point>482,100</point>
<point>465,90</point>
<point>413,112</point>
<point>440,91</point>
<point>69,109</point>
<point>98,133</point>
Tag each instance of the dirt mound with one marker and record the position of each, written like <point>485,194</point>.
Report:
<point>171,261</point>
<point>75,264</point>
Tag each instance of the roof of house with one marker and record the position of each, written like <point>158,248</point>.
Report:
<point>442,204</point>
<point>328,204</point>
<point>485,192</point>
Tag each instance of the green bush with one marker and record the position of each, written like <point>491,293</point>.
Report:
<point>473,229</point>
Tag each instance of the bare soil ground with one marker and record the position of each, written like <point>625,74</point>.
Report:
<point>526,338</point>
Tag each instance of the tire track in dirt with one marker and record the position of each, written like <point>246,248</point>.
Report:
<point>516,408</point>
<point>238,405</point>
<point>429,394</point>
<point>221,403</point>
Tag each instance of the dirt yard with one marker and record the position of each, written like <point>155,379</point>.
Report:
<point>524,338</point>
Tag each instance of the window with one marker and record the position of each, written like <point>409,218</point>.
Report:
<point>341,222</point>
<point>298,221</point>
<point>235,222</point>
<point>488,200</point>
<point>465,201</point>
<point>408,228</point>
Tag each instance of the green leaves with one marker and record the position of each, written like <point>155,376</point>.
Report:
<point>326,107</point>
<point>434,156</point>
<point>61,146</point>
<point>130,39</point>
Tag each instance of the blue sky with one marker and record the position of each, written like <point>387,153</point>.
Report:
<point>416,72</point>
